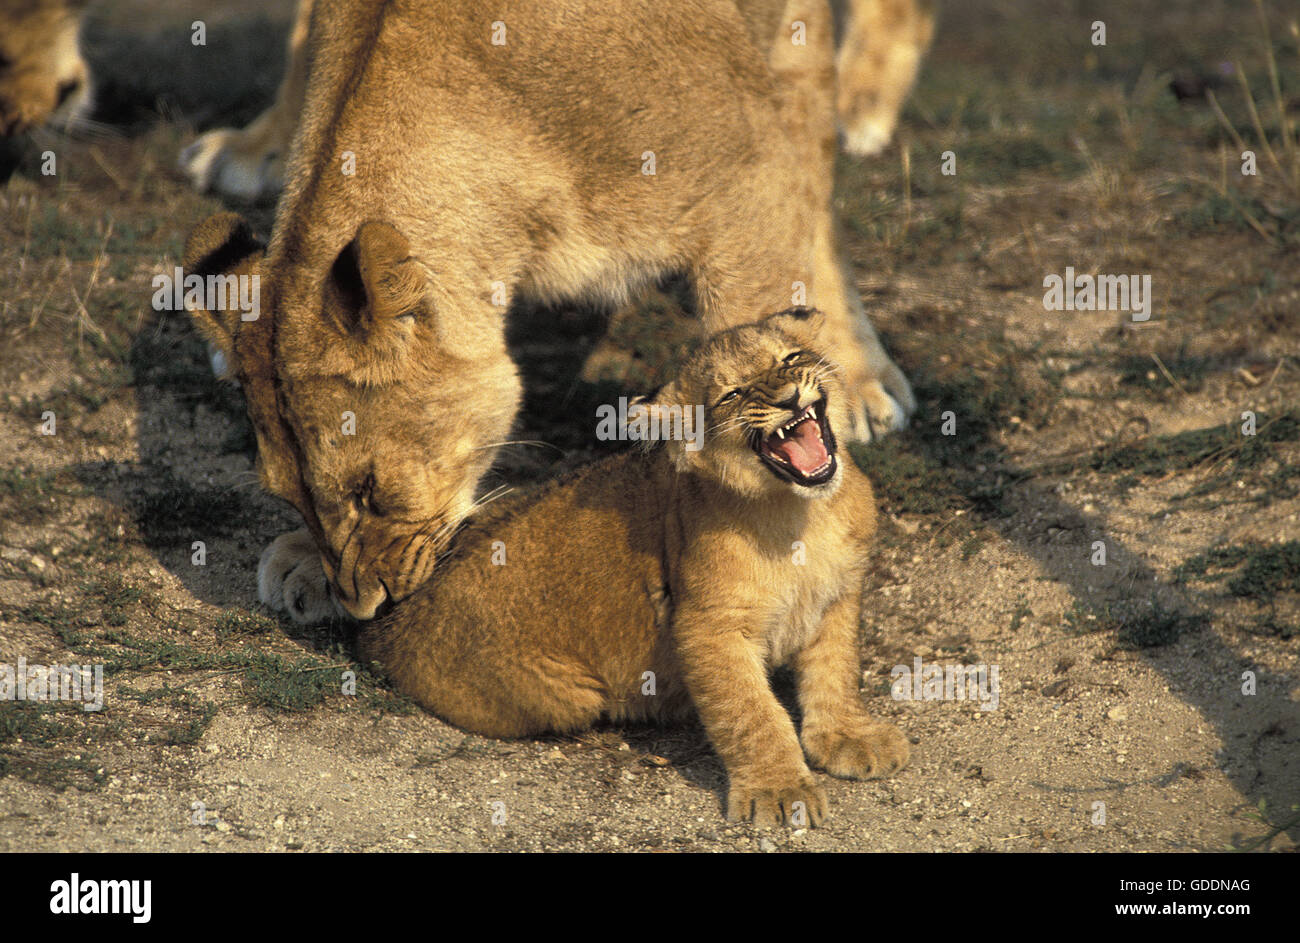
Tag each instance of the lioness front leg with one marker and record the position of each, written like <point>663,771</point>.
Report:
<point>838,734</point>
<point>750,730</point>
<point>290,578</point>
<point>248,164</point>
<point>742,279</point>
<point>886,399</point>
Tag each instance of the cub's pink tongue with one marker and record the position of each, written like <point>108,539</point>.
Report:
<point>802,447</point>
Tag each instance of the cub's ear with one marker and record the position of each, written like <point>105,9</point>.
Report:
<point>373,282</point>
<point>221,245</point>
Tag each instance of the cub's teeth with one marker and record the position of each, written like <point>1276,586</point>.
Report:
<point>780,433</point>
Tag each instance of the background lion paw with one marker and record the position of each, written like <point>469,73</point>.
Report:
<point>222,161</point>
<point>290,579</point>
<point>860,750</point>
<point>775,804</point>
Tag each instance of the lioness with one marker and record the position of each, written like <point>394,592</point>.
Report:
<point>705,566</point>
<point>574,148</point>
<point>880,49</point>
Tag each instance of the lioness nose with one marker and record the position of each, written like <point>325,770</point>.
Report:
<point>67,90</point>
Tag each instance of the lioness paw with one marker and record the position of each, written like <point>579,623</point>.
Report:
<point>800,803</point>
<point>857,750</point>
<point>223,162</point>
<point>886,405</point>
<point>290,579</point>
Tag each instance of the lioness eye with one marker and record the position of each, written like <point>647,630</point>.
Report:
<point>730,396</point>
<point>363,494</point>
<point>791,358</point>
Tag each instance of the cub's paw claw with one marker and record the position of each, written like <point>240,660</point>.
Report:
<point>864,750</point>
<point>290,579</point>
<point>800,803</point>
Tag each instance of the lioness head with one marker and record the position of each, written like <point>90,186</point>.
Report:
<point>41,69</point>
<point>377,410</point>
<point>771,405</point>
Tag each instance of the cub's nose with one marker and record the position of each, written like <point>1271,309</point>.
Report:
<point>787,397</point>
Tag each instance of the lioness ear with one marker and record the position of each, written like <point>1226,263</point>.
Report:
<point>374,281</point>
<point>220,245</point>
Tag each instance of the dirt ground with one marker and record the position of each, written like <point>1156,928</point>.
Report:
<point>1149,703</point>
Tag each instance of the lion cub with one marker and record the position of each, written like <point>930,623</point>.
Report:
<point>651,583</point>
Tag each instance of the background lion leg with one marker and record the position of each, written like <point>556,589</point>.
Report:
<point>248,164</point>
<point>838,734</point>
<point>886,400</point>
<point>880,53</point>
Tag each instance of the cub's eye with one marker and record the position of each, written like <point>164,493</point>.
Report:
<point>791,358</point>
<point>730,396</point>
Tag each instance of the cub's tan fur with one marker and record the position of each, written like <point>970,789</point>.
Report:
<point>426,192</point>
<point>42,74</point>
<point>707,568</point>
<point>881,44</point>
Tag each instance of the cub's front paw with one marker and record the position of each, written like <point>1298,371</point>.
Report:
<point>797,800</point>
<point>859,749</point>
<point>290,578</point>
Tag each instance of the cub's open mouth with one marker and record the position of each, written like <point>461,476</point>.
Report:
<point>801,451</point>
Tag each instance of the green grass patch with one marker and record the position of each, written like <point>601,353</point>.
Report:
<point>196,714</point>
<point>32,496</point>
<point>236,624</point>
<point>47,743</point>
<point>1134,623</point>
<point>1158,455</point>
<point>1253,570</point>
<point>1220,212</point>
<point>117,597</point>
<point>175,511</point>
<point>1144,375</point>
<point>1224,452</point>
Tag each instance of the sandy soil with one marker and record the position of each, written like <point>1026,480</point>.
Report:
<point>1121,722</point>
